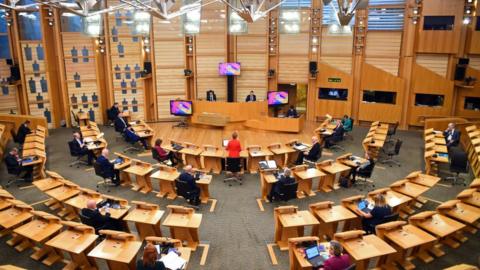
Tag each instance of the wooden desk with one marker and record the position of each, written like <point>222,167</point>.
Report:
<point>267,179</point>
<point>256,154</point>
<point>185,252</point>
<point>126,162</point>
<point>305,178</point>
<point>203,183</point>
<point>191,155</point>
<point>43,227</point>
<point>77,240</point>
<point>166,181</point>
<point>289,223</point>
<point>5,200</point>
<point>462,267</point>
<point>296,254</point>
<point>62,193</point>
<point>119,249</point>
<point>13,216</point>
<point>47,183</point>
<point>144,131</point>
<point>423,179</point>
<point>280,153</point>
<point>329,216</point>
<point>363,248</point>
<point>77,203</point>
<point>350,160</point>
<point>465,213</point>
<point>83,118</point>
<point>408,240</point>
<point>146,217</point>
<point>408,188</point>
<point>470,196</point>
<point>34,145</point>
<point>184,224</point>
<point>211,158</point>
<point>142,171</point>
<point>394,199</point>
<point>331,169</point>
<point>117,213</point>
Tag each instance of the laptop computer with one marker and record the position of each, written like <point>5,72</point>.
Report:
<point>177,147</point>
<point>314,257</point>
<point>365,206</point>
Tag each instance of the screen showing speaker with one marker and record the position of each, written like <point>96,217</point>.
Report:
<point>229,68</point>
<point>333,93</point>
<point>379,97</point>
<point>276,98</point>
<point>181,107</point>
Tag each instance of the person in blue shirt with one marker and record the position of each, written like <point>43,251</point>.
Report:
<point>131,136</point>
<point>188,176</point>
<point>347,123</point>
<point>120,123</point>
<point>284,179</point>
<point>108,168</point>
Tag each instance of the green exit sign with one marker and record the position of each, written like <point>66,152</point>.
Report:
<point>334,80</point>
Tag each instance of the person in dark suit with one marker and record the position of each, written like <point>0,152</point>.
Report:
<point>113,112</point>
<point>313,154</point>
<point>284,179</point>
<point>131,136</point>
<point>80,148</point>
<point>211,96</point>
<point>378,213</point>
<point>99,221</point>
<point>364,168</point>
<point>108,168</point>
<point>452,136</point>
<point>188,176</point>
<point>251,97</point>
<point>14,165</point>
<point>292,112</point>
<point>336,136</point>
<point>23,131</point>
<point>120,123</point>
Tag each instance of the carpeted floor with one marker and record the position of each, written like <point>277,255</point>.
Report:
<point>238,233</point>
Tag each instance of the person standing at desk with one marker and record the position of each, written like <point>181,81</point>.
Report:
<point>149,259</point>
<point>284,179</point>
<point>80,148</point>
<point>313,154</point>
<point>336,136</point>
<point>233,154</point>
<point>132,137</point>
<point>97,220</point>
<point>452,136</point>
<point>377,215</point>
<point>120,123</point>
<point>292,112</point>
<point>211,96</point>
<point>337,260</point>
<point>162,154</point>
<point>188,177</point>
<point>347,123</point>
<point>23,131</point>
<point>14,166</point>
<point>251,97</point>
<point>108,168</point>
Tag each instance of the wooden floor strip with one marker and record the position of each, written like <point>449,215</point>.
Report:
<point>144,154</point>
<point>380,167</point>
<point>273,258</point>
<point>260,205</point>
<point>26,187</point>
<point>88,169</point>
<point>432,200</point>
<point>206,247</point>
<point>443,185</point>
<point>39,202</point>
<point>214,203</point>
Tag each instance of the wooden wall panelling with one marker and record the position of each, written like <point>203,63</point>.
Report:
<point>273,41</point>
<point>425,81</point>
<point>474,62</point>
<point>8,94</point>
<point>435,41</point>
<point>126,60</point>
<point>383,50</point>
<point>359,40</point>
<point>467,92</point>
<point>210,50</point>
<point>473,36</point>
<point>169,53</point>
<point>336,51</point>
<point>252,53</point>
<point>389,113</point>
<point>436,63</point>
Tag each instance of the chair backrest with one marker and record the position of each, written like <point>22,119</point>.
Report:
<point>233,164</point>
<point>390,218</point>
<point>458,160</point>
<point>288,191</point>
<point>155,154</point>
<point>398,145</point>
<point>182,189</point>
<point>84,219</point>
<point>98,170</point>
<point>367,171</point>
<point>14,135</point>
<point>71,147</point>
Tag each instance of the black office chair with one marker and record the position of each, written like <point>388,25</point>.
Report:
<point>110,117</point>
<point>390,151</point>
<point>15,176</point>
<point>157,157</point>
<point>458,164</point>
<point>334,141</point>
<point>87,221</point>
<point>311,163</point>
<point>133,146</point>
<point>389,218</point>
<point>233,167</point>
<point>392,131</point>
<point>288,192</point>
<point>363,177</point>
<point>107,180</point>
<point>78,156</point>
<point>191,196</point>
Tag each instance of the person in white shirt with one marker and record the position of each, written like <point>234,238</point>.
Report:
<point>452,136</point>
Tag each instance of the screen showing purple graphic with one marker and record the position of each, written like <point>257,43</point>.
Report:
<point>180,107</point>
<point>229,68</point>
<point>277,98</point>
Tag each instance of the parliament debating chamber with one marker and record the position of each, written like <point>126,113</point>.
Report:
<point>239,134</point>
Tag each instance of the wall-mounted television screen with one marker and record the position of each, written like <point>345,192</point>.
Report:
<point>333,93</point>
<point>277,98</point>
<point>472,103</point>
<point>444,23</point>
<point>429,100</point>
<point>229,68</point>
<point>379,97</point>
<point>181,107</point>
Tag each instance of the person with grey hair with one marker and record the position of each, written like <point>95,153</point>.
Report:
<point>284,179</point>
<point>337,260</point>
<point>452,136</point>
<point>188,176</point>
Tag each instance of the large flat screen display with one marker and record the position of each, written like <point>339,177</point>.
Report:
<point>181,107</point>
<point>277,98</point>
<point>229,68</point>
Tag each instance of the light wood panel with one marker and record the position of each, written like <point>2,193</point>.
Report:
<point>474,62</point>
<point>467,92</point>
<point>473,38</point>
<point>336,51</point>
<point>8,94</point>
<point>436,63</point>
<point>383,50</point>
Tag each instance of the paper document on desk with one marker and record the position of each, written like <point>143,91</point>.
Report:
<point>300,147</point>
<point>173,261</point>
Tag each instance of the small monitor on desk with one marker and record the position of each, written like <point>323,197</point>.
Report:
<point>181,107</point>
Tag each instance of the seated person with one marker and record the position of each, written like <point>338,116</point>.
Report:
<point>336,136</point>
<point>120,123</point>
<point>162,155</point>
<point>211,96</point>
<point>337,260</point>
<point>251,97</point>
<point>149,259</point>
<point>113,112</point>
<point>313,154</point>
<point>292,112</point>
<point>189,177</point>
<point>347,123</point>
<point>364,168</point>
<point>284,179</point>
<point>14,166</point>
<point>99,221</point>
<point>377,215</point>
<point>452,136</point>
<point>108,168</point>
<point>23,131</point>
<point>132,137</point>
<point>80,148</point>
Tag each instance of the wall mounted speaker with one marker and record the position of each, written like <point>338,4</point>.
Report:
<point>147,67</point>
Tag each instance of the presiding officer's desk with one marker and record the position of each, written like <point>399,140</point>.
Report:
<point>248,114</point>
